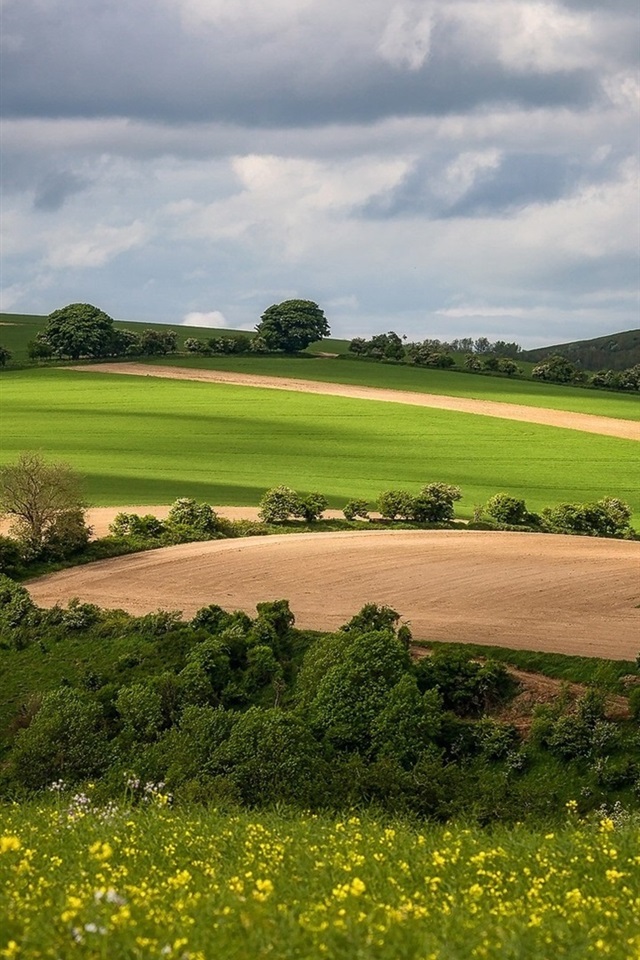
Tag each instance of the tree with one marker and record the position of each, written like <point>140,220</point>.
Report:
<point>434,503</point>
<point>292,325</point>
<point>555,369</point>
<point>507,509</point>
<point>5,355</point>
<point>79,330</point>
<point>38,495</point>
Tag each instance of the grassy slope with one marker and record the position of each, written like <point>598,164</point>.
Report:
<point>400,377</point>
<point>140,440</point>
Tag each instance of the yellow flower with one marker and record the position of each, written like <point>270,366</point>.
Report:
<point>101,851</point>
<point>9,843</point>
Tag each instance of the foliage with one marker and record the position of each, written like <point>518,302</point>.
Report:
<point>65,740</point>
<point>310,507</point>
<point>153,342</point>
<point>278,504</point>
<point>10,556</point>
<point>292,325</point>
<point>394,504</point>
<point>466,686</point>
<point>45,503</point>
<point>434,503</point>
<point>79,330</point>
<point>507,509</point>
<point>356,508</point>
<point>5,355</point>
<point>609,517</point>
<point>197,516</point>
<point>556,369</point>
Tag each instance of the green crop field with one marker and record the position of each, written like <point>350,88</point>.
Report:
<point>400,377</point>
<point>147,440</point>
<point>194,883</point>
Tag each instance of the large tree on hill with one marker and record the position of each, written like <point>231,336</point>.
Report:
<point>292,325</point>
<point>79,330</point>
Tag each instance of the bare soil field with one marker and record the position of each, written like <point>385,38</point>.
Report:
<point>574,595</point>
<point>607,426</point>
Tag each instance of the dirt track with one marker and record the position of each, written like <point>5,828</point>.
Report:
<point>567,594</point>
<point>608,426</point>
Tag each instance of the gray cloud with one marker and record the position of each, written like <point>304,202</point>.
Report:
<point>448,167</point>
<point>96,59</point>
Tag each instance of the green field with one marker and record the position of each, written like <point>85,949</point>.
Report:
<point>402,377</point>
<point>147,440</point>
<point>200,884</point>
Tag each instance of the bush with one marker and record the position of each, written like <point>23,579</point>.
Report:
<point>434,503</point>
<point>65,740</point>
<point>278,504</point>
<point>198,516</point>
<point>507,509</point>
<point>147,527</point>
<point>140,709</point>
<point>16,606</point>
<point>66,535</point>
<point>311,507</point>
<point>608,517</point>
<point>395,504</point>
<point>10,556</point>
<point>356,508</point>
<point>466,687</point>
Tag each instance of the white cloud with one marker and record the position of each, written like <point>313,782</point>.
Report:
<point>96,247</point>
<point>212,318</point>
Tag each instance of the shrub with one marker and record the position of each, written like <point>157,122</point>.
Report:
<point>278,504</point>
<point>394,504</point>
<point>65,740</point>
<point>434,503</point>
<point>66,535</point>
<point>16,606</point>
<point>356,508</point>
<point>10,556</point>
<point>140,709</point>
<point>506,509</point>
<point>608,517</point>
<point>466,687</point>
<point>270,755</point>
<point>372,617</point>
<point>311,507</point>
<point>147,527</point>
<point>199,516</point>
<point>408,722</point>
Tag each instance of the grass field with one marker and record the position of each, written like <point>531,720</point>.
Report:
<point>446,382</point>
<point>199,884</point>
<point>140,440</point>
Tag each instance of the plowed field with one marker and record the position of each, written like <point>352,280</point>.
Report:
<point>574,595</point>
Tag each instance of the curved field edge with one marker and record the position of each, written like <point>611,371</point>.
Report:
<point>247,884</point>
<point>150,440</point>
<point>420,380</point>
<point>461,586</point>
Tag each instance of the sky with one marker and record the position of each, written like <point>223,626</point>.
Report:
<point>444,168</point>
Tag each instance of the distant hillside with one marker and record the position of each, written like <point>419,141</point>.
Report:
<point>17,329</point>
<point>617,351</point>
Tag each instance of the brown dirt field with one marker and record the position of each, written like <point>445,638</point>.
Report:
<point>574,595</point>
<point>608,426</point>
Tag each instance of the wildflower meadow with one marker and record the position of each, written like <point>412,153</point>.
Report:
<point>143,880</point>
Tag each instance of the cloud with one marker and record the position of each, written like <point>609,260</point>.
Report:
<point>212,318</point>
<point>96,247</point>
<point>406,41</point>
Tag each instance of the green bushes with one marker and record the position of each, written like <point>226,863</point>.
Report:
<point>281,503</point>
<point>433,504</point>
<point>231,708</point>
<point>608,517</point>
